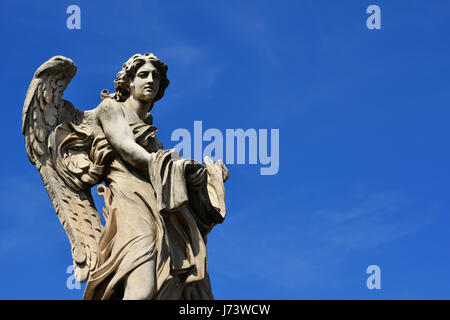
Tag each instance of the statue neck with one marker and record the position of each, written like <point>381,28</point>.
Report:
<point>141,108</point>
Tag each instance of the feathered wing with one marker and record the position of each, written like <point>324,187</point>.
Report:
<point>59,143</point>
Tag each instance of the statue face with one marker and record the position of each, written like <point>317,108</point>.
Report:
<point>145,85</point>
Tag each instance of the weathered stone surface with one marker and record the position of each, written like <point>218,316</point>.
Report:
<point>159,207</point>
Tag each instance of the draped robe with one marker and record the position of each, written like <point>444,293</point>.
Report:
<point>161,214</point>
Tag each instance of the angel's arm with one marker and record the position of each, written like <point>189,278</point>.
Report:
<point>120,136</point>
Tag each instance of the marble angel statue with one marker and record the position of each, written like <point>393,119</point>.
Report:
<point>159,208</point>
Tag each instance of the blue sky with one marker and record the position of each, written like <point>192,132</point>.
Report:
<point>363,119</point>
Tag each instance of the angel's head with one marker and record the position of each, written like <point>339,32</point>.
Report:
<point>142,76</point>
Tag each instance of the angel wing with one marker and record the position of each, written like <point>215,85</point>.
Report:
<point>60,143</point>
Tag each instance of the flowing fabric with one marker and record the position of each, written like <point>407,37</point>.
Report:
<point>150,215</point>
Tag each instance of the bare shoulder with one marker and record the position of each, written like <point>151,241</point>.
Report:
<point>109,109</point>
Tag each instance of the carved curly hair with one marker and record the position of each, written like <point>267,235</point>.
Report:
<point>128,72</point>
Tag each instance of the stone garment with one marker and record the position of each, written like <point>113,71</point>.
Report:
<point>146,220</point>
